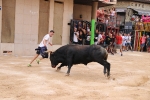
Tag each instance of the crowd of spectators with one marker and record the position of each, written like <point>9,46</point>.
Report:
<point>107,16</point>
<point>145,41</point>
<point>143,18</point>
<point>81,33</point>
<point>123,41</point>
<point>111,41</point>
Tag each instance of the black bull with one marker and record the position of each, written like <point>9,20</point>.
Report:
<point>69,55</point>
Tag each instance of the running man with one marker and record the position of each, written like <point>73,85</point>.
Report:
<point>42,48</point>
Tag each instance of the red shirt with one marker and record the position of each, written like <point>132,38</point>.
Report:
<point>119,40</point>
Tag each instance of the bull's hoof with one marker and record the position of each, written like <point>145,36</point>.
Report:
<point>67,74</point>
<point>105,74</point>
<point>58,69</point>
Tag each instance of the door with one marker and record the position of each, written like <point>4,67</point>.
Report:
<point>58,22</point>
<point>43,19</point>
<point>8,21</point>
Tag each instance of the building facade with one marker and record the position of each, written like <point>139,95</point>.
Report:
<point>126,9</point>
<point>23,23</point>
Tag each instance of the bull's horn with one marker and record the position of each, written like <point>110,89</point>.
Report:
<point>48,51</point>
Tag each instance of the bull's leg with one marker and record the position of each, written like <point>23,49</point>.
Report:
<point>62,65</point>
<point>102,63</point>
<point>69,68</point>
<point>69,63</point>
<point>105,70</point>
<point>106,67</point>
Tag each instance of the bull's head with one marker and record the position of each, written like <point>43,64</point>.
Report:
<point>53,59</point>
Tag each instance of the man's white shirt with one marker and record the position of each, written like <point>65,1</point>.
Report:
<point>47,38</point>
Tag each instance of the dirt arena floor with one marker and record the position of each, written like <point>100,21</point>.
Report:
<point>130,79</point>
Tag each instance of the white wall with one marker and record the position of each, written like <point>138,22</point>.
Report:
<point>83,10</point>
<point>26,27</point>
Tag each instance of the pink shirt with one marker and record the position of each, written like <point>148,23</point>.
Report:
<point>143,40</point>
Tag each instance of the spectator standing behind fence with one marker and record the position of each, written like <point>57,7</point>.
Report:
<point>99,38</point>
<point>75,36</point>
<point>102,39</point>
<point>96,37</point>
<point>112,16</point>
<point>88,37</point>
<point>79,25</point>
<point>80,38</point>
<point>129,42</point>
<point>118,41</point>
<point>101,15</point>
<point>108,41</point>
<point>148,44</point>
<point>142,41</point>
<point>107,17</point>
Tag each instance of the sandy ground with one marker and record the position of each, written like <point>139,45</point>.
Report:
<point>131,75</point>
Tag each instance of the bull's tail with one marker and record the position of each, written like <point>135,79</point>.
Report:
<point>106,55</point>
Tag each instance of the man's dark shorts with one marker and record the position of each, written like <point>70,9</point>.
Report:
<point>41,50</point>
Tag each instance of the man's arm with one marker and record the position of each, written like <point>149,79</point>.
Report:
<point>50,44</point>
<point>44,42</point>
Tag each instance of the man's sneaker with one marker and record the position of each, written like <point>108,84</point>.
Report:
<point>38,61</point>
<point>121,54</point>
<point>29,65</point>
